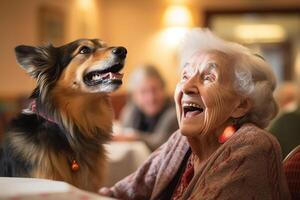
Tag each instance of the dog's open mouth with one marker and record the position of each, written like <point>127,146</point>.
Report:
<point>110,75</point>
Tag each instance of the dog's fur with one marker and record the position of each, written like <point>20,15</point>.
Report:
<point>72,115</point>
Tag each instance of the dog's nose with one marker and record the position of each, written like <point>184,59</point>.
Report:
<point>120,52</point>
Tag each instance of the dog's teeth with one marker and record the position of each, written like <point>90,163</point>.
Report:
<point>96,77</point>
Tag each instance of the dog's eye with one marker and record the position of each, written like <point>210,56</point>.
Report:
<point>85,50</point>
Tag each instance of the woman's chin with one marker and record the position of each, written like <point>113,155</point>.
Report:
<point>190,131</point>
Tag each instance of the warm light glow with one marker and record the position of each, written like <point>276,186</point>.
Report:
<point>84,19</point>
<point>178,16</point>
<point>85,5</point>
<point>260,33</point>
<point>172,36</point>
<point>297,65</point>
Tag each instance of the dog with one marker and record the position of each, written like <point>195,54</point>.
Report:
<point>62,133</point>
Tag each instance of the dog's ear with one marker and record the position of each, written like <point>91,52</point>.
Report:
<point>32,59</point>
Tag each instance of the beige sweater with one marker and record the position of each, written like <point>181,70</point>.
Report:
<point>247,166</point>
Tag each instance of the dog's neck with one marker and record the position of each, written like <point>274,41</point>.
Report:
<point>90,113</point>
<point>87,115</point>
<point>86,118</point>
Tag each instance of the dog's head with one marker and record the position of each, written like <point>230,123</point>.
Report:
<point>83,65</point>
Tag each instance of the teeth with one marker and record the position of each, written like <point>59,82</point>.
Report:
<point>96,77</point>
<point>192,105</point>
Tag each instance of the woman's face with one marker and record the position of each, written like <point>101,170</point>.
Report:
<point>205,97</point>
<point>149,96</point>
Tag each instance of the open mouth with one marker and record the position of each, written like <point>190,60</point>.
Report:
<point>191,109</point>
<point>109,75</point>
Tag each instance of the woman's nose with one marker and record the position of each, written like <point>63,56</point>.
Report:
<point>190,86</point>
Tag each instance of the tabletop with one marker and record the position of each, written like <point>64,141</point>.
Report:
<point>33,189</point>
<point>123,159</point>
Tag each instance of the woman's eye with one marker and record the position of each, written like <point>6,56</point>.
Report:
<point>184,77</point>
<point>209,78</point>
<point>85,50</point>
<point>212,65</point>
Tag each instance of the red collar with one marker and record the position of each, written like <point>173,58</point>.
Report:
<point>32,108</point>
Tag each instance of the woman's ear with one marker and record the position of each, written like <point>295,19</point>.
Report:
<point>243,108</point>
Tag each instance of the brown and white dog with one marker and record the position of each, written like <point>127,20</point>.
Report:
<point>61,135</point>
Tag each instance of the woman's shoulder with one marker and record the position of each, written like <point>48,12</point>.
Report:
<point>249,149</point>
<point>129,112</point>
<point>250,132</point>
<point>250,161</point>
<point>255,140</point>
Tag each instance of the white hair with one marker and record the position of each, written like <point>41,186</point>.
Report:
<point>254,78</point>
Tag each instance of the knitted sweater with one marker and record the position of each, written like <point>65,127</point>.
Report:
<point>247,166</point>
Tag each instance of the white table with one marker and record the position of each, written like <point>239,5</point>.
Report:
<point>34,189</point>
<point>123,159</point>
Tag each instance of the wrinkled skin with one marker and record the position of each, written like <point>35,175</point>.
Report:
<point>207,80</point>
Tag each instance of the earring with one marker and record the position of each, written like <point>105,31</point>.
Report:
<point>227,133</point>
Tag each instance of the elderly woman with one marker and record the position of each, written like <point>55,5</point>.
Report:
<point>223,101</point>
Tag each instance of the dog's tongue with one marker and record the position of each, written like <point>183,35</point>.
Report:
<point>115,75</point>
<point>108,75</point>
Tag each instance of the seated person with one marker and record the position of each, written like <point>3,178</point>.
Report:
<point>286,127</point>
<point>150,115</point>
<point>287,97</point>
<point>221,150</point>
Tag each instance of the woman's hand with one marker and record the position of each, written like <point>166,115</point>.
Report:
<point>105,191</point>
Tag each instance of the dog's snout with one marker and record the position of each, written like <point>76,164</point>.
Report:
<point>120,52</point>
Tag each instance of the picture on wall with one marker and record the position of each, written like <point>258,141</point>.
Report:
<point>51,23</point>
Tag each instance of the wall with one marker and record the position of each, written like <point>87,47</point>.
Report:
<point>19,25</point>
<point>135,24</point>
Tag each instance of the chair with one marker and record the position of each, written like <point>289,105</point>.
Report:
<point>291,166</point>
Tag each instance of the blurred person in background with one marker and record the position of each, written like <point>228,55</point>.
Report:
<point>149,115</point>
<point>286,126</point>
<point>287,97</point>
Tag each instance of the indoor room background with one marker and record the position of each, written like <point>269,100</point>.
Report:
<point>149,29</point>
